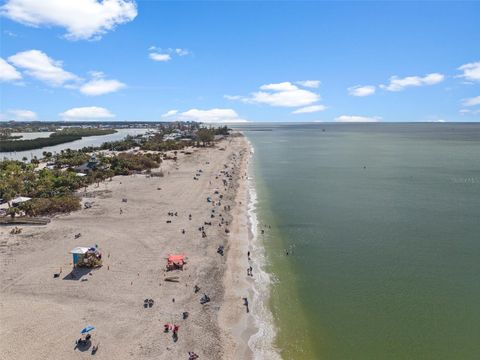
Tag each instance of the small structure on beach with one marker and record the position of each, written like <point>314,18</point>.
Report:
<point>175,262</point>
<point>86,257</point>
<point>20,200</point>
<point>90,165</point>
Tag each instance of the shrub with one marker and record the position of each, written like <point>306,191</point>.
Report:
<point>126,163</point>
<point>51,206</point>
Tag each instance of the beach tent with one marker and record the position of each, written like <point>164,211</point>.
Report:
<point>84,256</point>
<point>78,254</point>
<point>175,262</point>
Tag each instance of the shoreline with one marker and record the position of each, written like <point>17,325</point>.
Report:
<point>135,242</point>
<point>261,342</point>
<point>254,332</point>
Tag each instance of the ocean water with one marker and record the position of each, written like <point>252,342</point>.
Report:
<point>381,223</point>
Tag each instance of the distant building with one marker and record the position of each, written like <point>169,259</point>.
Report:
<point>179,134</point>
<point>91,164</point>
<point>172,136</point>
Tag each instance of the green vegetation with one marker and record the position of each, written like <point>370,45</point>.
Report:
<point>222,130</point>
<point>6,134</point>
<point>156,143</point>
<point>59,137</point>
<point>48,188</point>
<point>206,136</point>
<point>53,188</point>
<point>9,137</point>
<point>51,206</point>
<point>127,163</point>
<point>21,145</point>
<point>83,131</point>
<point>121,145</point>
<point>68,157</point>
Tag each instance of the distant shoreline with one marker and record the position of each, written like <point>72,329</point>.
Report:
<point>11,145</point>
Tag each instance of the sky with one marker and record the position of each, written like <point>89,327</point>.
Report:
<point>234,61</point>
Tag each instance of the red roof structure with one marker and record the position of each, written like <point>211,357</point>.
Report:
<point>175,261</point>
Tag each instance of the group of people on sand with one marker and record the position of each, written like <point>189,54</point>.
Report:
<point>174,328</point>
<point>215,215</point>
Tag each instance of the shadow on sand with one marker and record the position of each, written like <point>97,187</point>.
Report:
<point>83,345</point>
<point>77,273</point>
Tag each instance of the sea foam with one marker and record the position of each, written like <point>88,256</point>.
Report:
<point>261,342</point>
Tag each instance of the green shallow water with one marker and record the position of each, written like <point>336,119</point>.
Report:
<point>382,223</point>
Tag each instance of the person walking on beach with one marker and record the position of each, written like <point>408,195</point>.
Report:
<point>245,302</point>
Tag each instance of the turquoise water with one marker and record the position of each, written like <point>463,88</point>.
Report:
<point>382,226</point>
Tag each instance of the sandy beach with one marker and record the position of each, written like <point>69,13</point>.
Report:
<point>41,316</point>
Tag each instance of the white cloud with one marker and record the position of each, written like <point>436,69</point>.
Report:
<point>283,94</point>
<point>356,118</point>
<point>158,54</point>
<point>471,71</point>
<point>10,33</point>
<point>309,83</point>
<point>100,86</point>
<point>181,52</point>
<point>285,98</point>
<point>361,90</point>
<point>438,121</point>
<point>234,97</point>
<point>471,101</point>
<point>38,65</point>
<point>160,57</point>
<point>283,86</point>
<point>210,116</point>
<point>87,113</point>
<point>310,109</point>
<point>170,113</point>
<point>8,72</point>
<point>469,111</point>
<point>25,115</point>
<point>399,84</point>
<point>83,19</point>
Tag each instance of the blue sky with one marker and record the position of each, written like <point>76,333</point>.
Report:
<point>232,61</point>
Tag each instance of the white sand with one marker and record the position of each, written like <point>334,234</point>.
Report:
<point>41,316</point>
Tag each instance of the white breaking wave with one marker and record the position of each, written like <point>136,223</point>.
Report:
<point>261,343</point>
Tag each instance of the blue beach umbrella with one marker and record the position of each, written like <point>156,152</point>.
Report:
<point>87,329</point>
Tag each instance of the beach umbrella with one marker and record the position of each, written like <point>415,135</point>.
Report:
<point>87,329</point>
